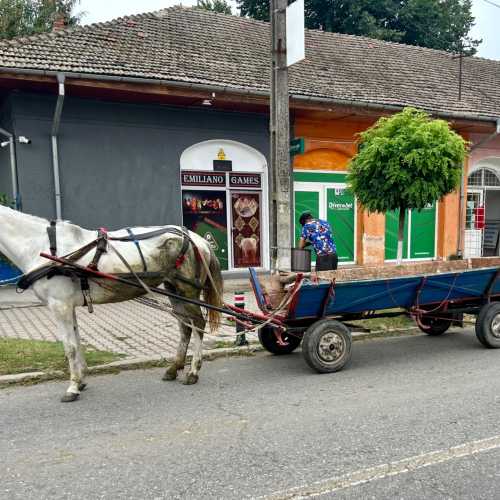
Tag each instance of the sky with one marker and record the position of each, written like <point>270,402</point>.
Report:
<point>487,17</point>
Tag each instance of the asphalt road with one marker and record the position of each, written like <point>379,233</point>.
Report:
<point>410,417</point>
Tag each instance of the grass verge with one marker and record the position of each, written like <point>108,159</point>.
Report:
<point>21,356</point>
<point>381,324</point>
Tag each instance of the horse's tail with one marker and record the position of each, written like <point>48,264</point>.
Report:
<point>214,292</point>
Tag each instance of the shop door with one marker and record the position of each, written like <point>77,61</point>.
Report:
<point>423,233</point>
<point>419,234</point>
<point>305,201</point>
<point>340,215</point>
<point>246,229</point>
<point>204,212</point>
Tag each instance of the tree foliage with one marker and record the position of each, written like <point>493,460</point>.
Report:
<point>408,160</point>
<point>29,17</point>
<point>437,24</point>
<point>220,6</point>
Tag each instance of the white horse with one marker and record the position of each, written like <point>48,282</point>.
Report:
<point>23,237</point>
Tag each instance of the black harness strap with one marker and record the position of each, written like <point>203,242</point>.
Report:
<point>138,246</point>
<point>185,247</point>
<point>52,233</point>
<point>145,236</point>
<point>102,247</point>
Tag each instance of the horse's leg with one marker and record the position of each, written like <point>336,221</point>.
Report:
<point>79,353</point>
<point>64,313</point>
<point>198,329</point>
<point>180,358</point>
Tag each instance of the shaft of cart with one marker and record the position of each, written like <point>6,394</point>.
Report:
<point>227,309</point>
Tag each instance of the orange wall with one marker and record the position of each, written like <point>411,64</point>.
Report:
<point>329,145</point>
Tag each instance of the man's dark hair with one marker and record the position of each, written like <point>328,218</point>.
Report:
<point>304,217</point>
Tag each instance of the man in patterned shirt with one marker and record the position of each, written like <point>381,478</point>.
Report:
<point>318,233</point>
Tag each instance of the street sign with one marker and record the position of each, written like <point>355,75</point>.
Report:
<point>297,146</point>
<point>295,37</point>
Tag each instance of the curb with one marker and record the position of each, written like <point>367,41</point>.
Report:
<point>159,361</point>
<point>126,364</point>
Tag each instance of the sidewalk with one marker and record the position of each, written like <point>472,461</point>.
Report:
<point>128,328</point>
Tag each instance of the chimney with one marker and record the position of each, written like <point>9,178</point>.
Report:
<point>59,22</point>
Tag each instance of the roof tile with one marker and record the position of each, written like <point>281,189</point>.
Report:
<point>193,45</point>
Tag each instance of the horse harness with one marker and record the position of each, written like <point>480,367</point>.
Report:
<point>101,246</point>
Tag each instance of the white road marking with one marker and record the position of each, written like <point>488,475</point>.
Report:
<point>385,470</point>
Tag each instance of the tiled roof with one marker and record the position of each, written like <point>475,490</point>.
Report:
<point>196,46</point>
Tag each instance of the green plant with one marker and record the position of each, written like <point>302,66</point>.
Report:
<point>406,161</point>
<point>4,200</point>
<point>220,6</point>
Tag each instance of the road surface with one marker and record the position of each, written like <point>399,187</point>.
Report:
<point>410,417</point>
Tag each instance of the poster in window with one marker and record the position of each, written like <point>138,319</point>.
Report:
<point>205,213</point>
<point>246,229</point>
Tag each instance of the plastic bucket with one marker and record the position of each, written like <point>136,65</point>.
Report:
<point>301,260</point>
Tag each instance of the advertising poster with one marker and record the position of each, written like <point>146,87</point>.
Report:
<point>246,229</point>
<point>205,213</point>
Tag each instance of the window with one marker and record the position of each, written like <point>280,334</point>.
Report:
<point>484,177</point>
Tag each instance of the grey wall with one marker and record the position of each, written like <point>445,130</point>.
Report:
<point>119,162</point>
<point>5,169</point>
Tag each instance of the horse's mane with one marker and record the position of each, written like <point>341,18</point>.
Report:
<point>36,218</point>
<point>13,212</point>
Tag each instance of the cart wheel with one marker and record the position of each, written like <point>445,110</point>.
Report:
<point>269,342</point>
<point>433,326</point>
<point>488,325</point>
<point>327,346</point>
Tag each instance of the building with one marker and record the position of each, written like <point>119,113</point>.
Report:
<point>163,118</point>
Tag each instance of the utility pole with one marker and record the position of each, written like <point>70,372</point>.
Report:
<point>280,176</point>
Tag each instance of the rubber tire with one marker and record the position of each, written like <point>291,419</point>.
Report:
<point>437,326</point>
<point>312,338</point>
<point>483,325</point>
<point>269,342</point>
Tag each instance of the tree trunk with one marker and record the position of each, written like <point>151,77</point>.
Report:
<point>401,228</point>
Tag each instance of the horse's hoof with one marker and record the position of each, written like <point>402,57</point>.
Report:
<point>170,374</point>
<point>69,397</point>
<point>81,387</point>
<point>190,379</point>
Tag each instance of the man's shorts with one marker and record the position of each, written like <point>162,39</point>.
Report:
<point>327,262</point>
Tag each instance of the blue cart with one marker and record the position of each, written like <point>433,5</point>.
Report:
<point>316,311</point>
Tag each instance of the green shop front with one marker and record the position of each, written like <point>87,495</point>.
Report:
<point>326,196</point>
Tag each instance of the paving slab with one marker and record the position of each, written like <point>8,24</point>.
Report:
<point>128,328</point>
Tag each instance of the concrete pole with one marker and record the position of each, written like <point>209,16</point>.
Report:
<point>281,184</point>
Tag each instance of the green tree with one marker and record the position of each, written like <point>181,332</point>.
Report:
<point>220,6</point>
<point>405,162</point>
<point>29,17</point>
<point>437,24</point>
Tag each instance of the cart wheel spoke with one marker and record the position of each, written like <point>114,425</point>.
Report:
<point>495,326</point>
<point>330,347</point>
